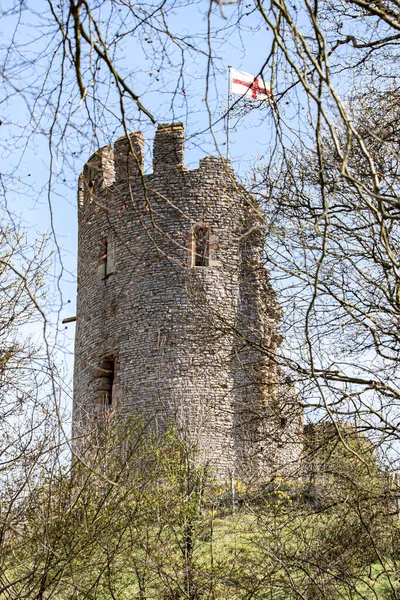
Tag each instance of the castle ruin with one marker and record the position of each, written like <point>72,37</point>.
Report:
<point>176,319</point>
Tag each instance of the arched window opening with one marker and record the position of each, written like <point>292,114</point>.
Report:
<point>201,243</point>
<point>105,381</point>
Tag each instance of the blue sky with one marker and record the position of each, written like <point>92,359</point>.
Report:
<point>42,176</point>
<point>42,155</point>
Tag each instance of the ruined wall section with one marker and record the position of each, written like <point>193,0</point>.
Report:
<point>268,415</point>
<point>168,327</point>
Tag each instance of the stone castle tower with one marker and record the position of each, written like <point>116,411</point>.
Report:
<point>176,318</point>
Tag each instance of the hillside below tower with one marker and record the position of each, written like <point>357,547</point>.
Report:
<point>176,317</point>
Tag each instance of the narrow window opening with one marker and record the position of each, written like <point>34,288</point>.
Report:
<point>105,381</point>
<point>107,256</point>
<point>201,238</point>
<point>283,422</point>
<point>91,174</point>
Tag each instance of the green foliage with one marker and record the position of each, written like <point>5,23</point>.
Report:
<point>281,493</point>
<point>139,519</point>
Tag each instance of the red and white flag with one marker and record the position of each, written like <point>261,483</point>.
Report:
<point>245,84</point>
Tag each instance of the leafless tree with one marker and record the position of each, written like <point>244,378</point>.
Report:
<point>330,192</point>
<point>328,188</point>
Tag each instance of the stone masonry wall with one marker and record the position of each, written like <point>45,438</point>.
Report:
<point>192,344</point>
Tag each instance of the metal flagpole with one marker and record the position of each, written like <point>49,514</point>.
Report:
<point>228,116</point>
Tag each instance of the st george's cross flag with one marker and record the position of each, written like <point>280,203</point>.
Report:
<point>245,84</point>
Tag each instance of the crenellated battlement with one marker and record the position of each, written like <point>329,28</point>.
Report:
<point>99,169</point>
<point>169,148</point>
<point>125,161</point>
